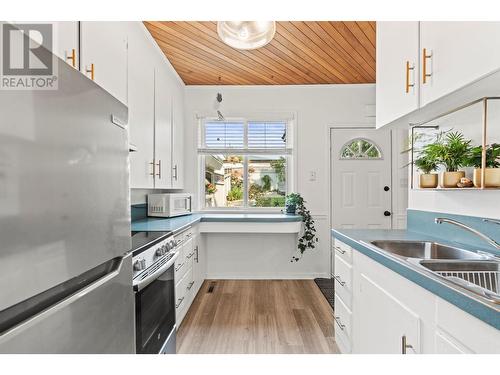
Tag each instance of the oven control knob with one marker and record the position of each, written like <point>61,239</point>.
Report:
<point>173,243</point>
<point>159,252</point>
<point>140,264</point>
<point>167,246</point>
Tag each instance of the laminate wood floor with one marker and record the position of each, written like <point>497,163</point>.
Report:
<point>258,316</point>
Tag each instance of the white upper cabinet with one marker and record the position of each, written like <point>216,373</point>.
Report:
<point>397,70</point>
<point>178,140</point>
<point>65,37</point>
<point>140,108</point>
<point>457,53</point>
<point>163,131</point>
<point>104,55</point>
<point>419,63</point>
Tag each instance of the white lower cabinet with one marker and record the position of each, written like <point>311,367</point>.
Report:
<point>383,312</point>
<point>188,274</point>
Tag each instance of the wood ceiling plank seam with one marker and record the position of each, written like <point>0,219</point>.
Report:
<point>360,37</point>
<point>187,39</point>
<point>200,57</point>
<point>359,64</point>
<point>195,66</point>
<point>330,28</point>
<point>286,46</point>
<point>279,47</point>
<point>353,41</point>
<point>344,66</point>
<point>290,32</point>
<point>232,53</point>
<point>332,48</point>
<point>300,46</point>
<point>252,55</point>
<point>264,58</point>
<point>199,77</point>
<point>368,31</point>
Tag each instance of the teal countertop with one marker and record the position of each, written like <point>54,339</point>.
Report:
<point>177,224</point>
<point>354,237</point>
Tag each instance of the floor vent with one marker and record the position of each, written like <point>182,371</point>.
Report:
<point>211,288</point>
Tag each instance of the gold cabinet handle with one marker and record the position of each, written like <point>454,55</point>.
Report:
<point>159,169</point>
<point>153,165</point>
<point>408,69</point>
<point>72,57</point>
<point>91,71</point>
<point>404,345</point>
<point>425,57</point>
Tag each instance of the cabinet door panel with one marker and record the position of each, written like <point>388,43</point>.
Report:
<point>397,44</point>
<point>163,131</point>
<point>141,108</point>
<point>66,34</point>
<point>462,52</point>
<point>383,321</point>
<point>178,140</point>
<point>104,44</point>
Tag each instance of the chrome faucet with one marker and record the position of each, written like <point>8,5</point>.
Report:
<point>491,241</point>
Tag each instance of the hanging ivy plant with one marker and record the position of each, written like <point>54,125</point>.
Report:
<point>308,238</point>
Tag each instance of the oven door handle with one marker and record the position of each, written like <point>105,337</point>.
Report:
<point>141,284</point>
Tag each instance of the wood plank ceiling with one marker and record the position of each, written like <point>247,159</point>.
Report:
<point>300,53</point>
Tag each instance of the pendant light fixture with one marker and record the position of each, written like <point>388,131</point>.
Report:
<point>246,34</point>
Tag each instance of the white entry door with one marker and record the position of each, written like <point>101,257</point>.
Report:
<point>361,178</point>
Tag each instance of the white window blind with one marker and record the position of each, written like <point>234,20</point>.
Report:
<point>244,137</point>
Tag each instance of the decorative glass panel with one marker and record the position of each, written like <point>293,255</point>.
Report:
<point>360,148</point>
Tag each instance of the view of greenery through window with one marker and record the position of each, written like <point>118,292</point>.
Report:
<point>225,174</point>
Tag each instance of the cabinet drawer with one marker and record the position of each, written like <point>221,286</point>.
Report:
<point>180,266</point>
<point>343,250</point>
<point>180,293</point>
<point>343,280</point>
<point>343,318</point>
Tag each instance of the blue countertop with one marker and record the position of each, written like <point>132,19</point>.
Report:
<point>177,224</point>
<point>354,237</point>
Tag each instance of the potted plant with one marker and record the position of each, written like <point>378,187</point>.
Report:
<point>492,171</point>
<point>427,164</point>
<point>210,188</point>
<point>308,238</point>
<point>452,152</point>
<point>291,202</point>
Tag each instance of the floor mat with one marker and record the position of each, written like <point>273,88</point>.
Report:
<point>327,288</point>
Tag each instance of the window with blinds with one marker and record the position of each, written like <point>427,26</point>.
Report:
<point>245,164</point>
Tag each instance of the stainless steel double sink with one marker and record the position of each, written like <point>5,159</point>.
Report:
<point>478,273</point>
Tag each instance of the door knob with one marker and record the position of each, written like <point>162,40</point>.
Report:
<point>386,188</point>
<point>387,213</point>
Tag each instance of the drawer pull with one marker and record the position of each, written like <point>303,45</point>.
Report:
<point>179,301</point>
<point>339,280</point>
<point>189,255</point>
<point>341,251</point>
<point>190,285</point>
<point>339,322</point>
<point>178,267</point>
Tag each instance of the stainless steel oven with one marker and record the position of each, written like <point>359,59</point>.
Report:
<point>154,289</point>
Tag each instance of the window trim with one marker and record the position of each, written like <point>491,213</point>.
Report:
<point>289,153</point>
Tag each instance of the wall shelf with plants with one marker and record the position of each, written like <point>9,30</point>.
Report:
<point>458,150</point>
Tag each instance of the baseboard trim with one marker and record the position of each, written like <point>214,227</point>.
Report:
<point>274,276</point>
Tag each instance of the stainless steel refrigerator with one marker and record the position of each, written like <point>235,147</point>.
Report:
<point>65,277</point>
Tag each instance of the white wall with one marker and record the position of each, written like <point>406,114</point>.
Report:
<point>317,108</point>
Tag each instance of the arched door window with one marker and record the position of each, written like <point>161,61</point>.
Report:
<point>360,149</point>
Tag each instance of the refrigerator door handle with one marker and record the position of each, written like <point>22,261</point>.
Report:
<point>41,310</point>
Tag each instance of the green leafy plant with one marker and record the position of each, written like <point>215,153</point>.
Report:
<point>210,188</point>
<point>452,151</point>
<point>235,194</point>
<point>266,182</point>
<point>279,167</point>
<point>492,156</point>
<point>270,202</point>
<point>425,164</point>
<point>308,238</point>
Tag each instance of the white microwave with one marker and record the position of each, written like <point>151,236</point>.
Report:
<point>169,205</point>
